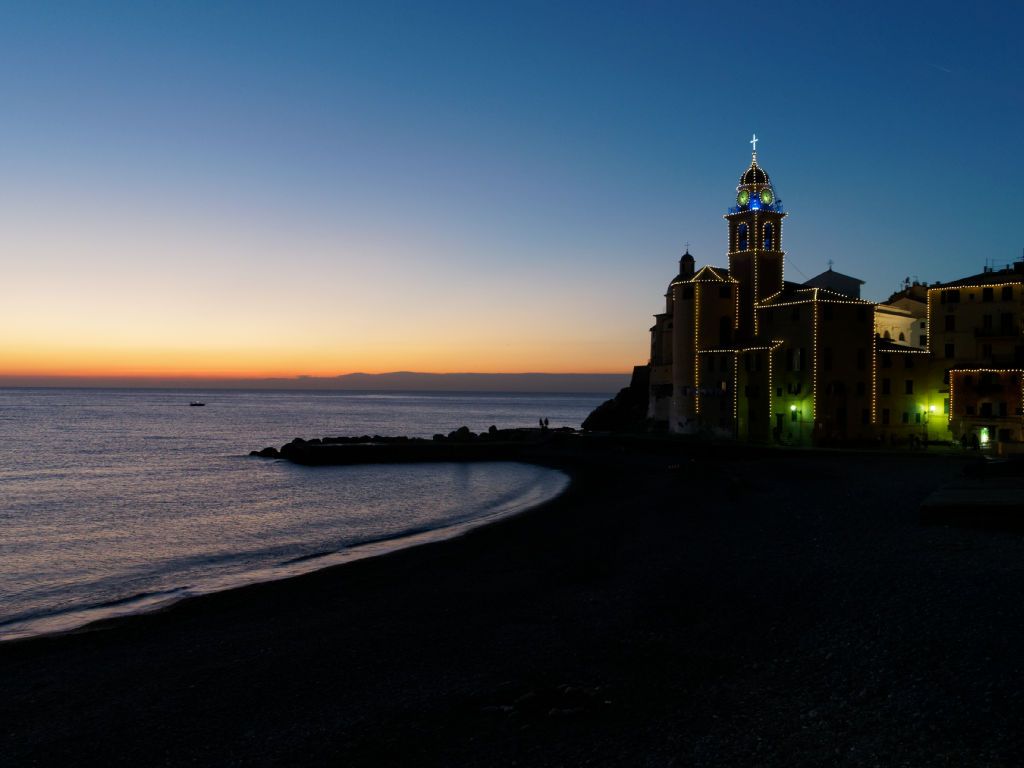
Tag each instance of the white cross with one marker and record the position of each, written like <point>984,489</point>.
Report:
<point>754,142</point>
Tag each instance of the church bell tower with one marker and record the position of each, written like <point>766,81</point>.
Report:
<point>755,243</point>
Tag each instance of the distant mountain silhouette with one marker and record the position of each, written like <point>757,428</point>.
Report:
<point>397,380</point>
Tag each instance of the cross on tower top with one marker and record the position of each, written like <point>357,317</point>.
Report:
<point>754,142</point>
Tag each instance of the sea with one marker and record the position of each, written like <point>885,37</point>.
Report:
<point>119,501</point>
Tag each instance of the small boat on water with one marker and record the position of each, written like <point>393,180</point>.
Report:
<point>196,402</point>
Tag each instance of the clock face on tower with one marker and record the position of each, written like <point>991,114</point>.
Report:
<point>767,196</point>
<point>743,197</point>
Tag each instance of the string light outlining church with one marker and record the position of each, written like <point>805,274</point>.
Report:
<point>739,351</point>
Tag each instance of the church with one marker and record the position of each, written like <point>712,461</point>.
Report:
<point>741,352</point>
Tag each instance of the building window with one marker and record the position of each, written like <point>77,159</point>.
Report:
<point>768,239</point>
<point>945,406</point>
<point>793,415</point>
<point>886,386</point>
<point>909,386</point>
<point>885,415</point>
<point>1007,293</point>
<point>906,417</point>
<point>917,417</point>
<point>987,294</point>
<point>743,237</point>
<point>950,322</point>
<point>986,322</point>
<point>1006,323</point>
<point>922,341</point>
<point>902,337</point>
<point>887,360</point>
<point>949,350</point>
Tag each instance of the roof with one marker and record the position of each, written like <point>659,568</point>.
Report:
<point>794,293</point>
<point>1010,275</point>
<point>837,281</point>
<point>705,275</point>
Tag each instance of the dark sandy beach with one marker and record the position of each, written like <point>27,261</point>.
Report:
<point>678,606</point>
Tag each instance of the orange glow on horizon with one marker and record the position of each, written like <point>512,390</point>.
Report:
<point>287,364</point>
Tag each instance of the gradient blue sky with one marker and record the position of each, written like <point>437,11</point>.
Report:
<point>254,188</point>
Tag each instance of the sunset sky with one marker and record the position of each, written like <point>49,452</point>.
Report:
<point>228,189</point>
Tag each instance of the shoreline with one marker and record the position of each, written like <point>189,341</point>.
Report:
<point>676,604</point>
<point>80,619</point>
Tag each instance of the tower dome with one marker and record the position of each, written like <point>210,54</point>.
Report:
<point>755,174</point>
<point>755,190</point>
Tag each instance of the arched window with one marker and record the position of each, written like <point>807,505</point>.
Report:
<point>902,337</point>
<point>886,335</point>
<point>768,236</point>
<point>743,237</point>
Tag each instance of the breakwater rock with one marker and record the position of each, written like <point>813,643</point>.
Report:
<point>458,445</point>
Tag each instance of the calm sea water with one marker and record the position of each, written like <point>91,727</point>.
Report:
<point>116,501</point>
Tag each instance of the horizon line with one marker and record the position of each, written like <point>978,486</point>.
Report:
<point>535,381</point>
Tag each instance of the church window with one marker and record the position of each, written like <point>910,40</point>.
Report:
<point>902,337</point>
<point>743,237</point>
<point>886,335</point>
<point>768,236</point>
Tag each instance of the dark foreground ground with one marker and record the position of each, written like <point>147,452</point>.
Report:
<point>681,608</point>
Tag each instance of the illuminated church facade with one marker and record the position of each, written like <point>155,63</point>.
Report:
<point>741,352</point>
